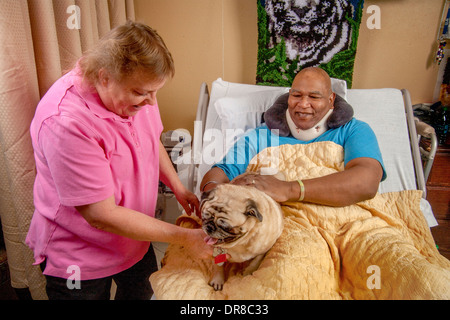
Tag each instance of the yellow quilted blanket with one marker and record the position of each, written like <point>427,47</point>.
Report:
<point>376,249</point>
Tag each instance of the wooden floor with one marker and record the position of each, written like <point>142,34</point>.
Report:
<point>438,195</point>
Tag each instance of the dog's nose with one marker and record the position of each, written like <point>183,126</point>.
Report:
<point>210,227</point>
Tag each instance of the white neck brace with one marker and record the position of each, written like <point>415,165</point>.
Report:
<point>308,134</point>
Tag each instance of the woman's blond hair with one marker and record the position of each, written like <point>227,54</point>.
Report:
<point>126,49</point>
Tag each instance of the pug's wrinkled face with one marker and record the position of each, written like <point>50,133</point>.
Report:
<point>227,218</point>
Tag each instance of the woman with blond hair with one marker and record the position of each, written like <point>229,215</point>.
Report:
<point>99,159</point>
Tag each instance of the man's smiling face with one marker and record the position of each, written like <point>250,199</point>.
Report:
<point>310,98</point>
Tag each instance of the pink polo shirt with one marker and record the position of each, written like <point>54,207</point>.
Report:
<point>84,154</point>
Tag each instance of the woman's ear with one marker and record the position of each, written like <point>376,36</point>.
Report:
<point>103,77</point>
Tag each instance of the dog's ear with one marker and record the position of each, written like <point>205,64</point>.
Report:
<point>252,211</point>
<point>206,195</point>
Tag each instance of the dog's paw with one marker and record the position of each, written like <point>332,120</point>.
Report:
<point>217,286</point>
<point>217,282</point>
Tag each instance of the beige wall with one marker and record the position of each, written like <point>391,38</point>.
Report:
<point>218,38</point>
<point>400,54</point>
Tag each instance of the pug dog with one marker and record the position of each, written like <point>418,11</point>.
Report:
<point>242,223</point>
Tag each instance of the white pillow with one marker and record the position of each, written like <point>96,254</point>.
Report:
<point>244,112</point>
<point>240,114</point>
<point>339,87</point>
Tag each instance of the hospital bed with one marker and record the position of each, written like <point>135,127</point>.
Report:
<point>388,111</point>
<point>239,108</point>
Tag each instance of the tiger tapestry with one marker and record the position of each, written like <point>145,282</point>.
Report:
<point>295,34</point>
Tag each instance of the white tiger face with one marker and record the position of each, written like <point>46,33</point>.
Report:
<point>314,30</point>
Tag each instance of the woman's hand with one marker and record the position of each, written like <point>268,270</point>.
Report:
<point>107,216</point>
<point>188,201</point>
<point>197,246</point>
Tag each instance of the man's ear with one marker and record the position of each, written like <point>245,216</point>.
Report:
<point>331,99</point>
<point>343,113</point>
<point>252,210</point>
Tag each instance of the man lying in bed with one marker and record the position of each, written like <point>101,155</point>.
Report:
<point>310,103</point>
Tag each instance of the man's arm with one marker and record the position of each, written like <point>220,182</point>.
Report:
<point>212,178</point>
<point>358,182</point>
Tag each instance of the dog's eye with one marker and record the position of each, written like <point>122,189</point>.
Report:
<point>223,224</point>
<point>217,209</point>
<point>206,214</point>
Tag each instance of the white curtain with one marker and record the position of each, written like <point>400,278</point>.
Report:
<point>40,40</point>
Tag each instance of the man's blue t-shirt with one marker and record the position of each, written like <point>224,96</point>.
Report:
<point>356,137</point>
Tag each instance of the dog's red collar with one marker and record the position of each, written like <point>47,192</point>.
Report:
<point>220,256</point>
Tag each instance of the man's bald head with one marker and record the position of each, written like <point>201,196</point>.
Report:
<point>316,72</point>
